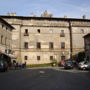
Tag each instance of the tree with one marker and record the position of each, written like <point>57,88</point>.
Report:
<point>81,56</point>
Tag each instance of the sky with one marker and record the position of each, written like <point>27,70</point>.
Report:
<point>59,8</point>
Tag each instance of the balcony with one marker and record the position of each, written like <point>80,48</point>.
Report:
<point>26,34</point>
<point>62,35</point>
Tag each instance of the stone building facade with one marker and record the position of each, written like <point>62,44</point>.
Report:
<point>5,36</point>
<point>87,46</point>
<point>38,40</point>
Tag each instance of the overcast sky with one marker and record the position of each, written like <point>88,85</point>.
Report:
<point>59,8</point>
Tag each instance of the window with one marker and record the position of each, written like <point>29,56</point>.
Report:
<point>25,57</point>
<point>62,57</point>
<point>62,45</point>
<point>82,31</point>
<point>26,32</point>
<point>38,30</point>
<point>6,51</point>
<point>62,34</point>
<point>9,51</point>
<point>38,45</point>
<point>26,45</point>
<point>2,26</point>
<point>2,39</point>
<point>51,57</point>
<point>51,45</point>
<point>38,57</point>
<point>5,40</point>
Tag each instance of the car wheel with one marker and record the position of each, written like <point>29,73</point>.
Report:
<point>84,68</point>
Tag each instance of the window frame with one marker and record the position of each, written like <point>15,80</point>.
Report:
<point>26,33</point>
<point>25,57</point>
<point>62,45</point>
<point>38,58</point>
<point>62,33</point>
<point>1,39</point>
<point>63,57</point>
<point>38,45</point>
<point>51,58</point>
<point>51,45</point>
<point>26,45</point>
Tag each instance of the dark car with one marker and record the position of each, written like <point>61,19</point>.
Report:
<point>68,65</point>
<point>3,66</point>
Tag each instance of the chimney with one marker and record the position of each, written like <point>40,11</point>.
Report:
<point>84,16</point>
<point>11,14</point>
<point>65,16</point>
<point>33,15</point>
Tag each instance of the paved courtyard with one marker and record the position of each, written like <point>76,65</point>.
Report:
<point>45,79</point>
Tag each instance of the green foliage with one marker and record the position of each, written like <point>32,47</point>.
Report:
<point>81,56</point>
<point>54,62</point>
<point>38,65</point>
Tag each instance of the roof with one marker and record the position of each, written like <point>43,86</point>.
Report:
<point>45,18</point>
<point>88,35</point>
<point>9,55</point>
<point>3,21</point>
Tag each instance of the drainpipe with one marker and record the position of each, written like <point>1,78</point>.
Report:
<point>71,43</point>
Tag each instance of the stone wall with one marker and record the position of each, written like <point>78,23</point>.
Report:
<point>49,32</point>
<point>6,35</point>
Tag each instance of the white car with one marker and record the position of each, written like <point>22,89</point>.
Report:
<point>84,65</point>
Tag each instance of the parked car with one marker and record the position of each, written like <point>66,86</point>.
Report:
<point>84,65</point>
<point>3,66</point>
<point>61,63</point>
<point>68,65</point>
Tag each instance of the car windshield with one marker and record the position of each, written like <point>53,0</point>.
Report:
<point>69,62</point>
<point>88,63</point>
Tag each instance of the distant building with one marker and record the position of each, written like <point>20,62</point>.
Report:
<point>87,46</point>
<point>39,40</point>
<point>5,37</point>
